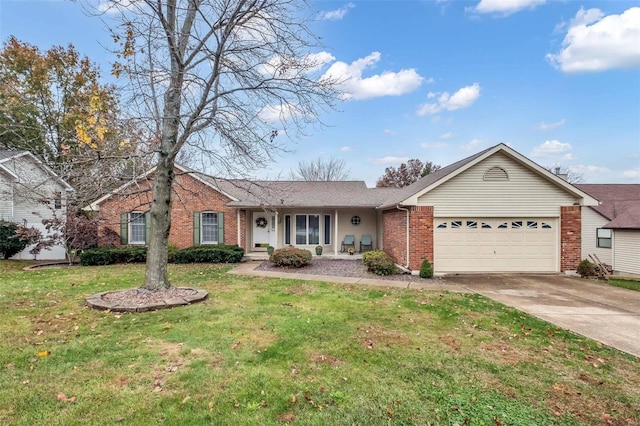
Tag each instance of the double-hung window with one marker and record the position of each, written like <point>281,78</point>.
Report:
<point>209,228</point>
<point>137,228</point>
<point>604,238</point>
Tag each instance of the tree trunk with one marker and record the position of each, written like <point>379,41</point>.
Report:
<point>160,213</point>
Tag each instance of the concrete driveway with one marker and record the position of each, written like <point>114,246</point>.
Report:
<point>607,314</point>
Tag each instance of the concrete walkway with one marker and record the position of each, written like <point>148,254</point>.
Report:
<point>249,268</point>
<point>600,312</point>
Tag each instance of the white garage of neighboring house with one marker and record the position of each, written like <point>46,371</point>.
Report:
<point>24,183</point>
<point>496,211</point>
<point>611,230</point>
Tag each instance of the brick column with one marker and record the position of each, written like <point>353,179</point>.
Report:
<point>570,237</point>
<point>421,236</point>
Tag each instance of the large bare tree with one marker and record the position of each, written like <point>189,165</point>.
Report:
<point>221,76</point>
<point>330,169</point>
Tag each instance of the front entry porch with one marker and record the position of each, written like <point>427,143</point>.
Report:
<point>308,228</point>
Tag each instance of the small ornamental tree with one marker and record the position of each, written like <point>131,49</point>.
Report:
<point>14,238</point>
<point>73,232</point>
<point>426,270</point>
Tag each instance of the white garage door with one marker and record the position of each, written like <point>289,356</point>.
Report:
<point>495,245</point>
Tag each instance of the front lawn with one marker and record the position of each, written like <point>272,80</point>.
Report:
<point>628,284</point>
<point>268,351</point>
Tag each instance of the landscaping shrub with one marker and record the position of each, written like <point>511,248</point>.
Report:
<point>129,255</point>
<point>291,257</point>
<point>586,269</point>
<point>379,262</point>
<point>96,257</point>
<point>426,270</point>
<point>210,254</point>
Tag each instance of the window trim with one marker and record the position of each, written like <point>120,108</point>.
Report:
<point>326,232</point>
<point>599,238</point>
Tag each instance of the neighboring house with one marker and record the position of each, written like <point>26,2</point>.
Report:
<point>496,211</point>
<point>29,192</point>
<point>611,230</point>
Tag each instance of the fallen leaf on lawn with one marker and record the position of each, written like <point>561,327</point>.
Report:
<point>44,353</point>
<point>63,398</point>
<point>210,405</point>
<point>187,398</point>
<point>294,399</point>
<point>607,418</point>
<point>10,366</point>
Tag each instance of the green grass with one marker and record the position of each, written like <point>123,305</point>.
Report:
<point>267,351</point>
<point>628,284</point>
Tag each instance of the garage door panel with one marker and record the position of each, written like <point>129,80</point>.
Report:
<point>495,245</point>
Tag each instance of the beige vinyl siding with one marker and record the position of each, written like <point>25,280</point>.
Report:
<point>525,193</point>
<point>591,221</point>
<point>626,247</point>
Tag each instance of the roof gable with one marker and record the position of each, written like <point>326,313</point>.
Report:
<point>410,194</point>
<point>10,156</point>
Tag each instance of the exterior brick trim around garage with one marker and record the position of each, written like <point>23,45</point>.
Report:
<point>570,237</point>
<point>420,238</point>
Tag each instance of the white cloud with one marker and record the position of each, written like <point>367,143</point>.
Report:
<point>473,145</point>
<point>505,7</point>
<point>346,149</point>
<point>389,132</point>
<point>354,86</point>
<point>463,98</point>
<point>590,169</point>
<point>447,135</point>
<point>595,42</point>
<point>569,156</point>
<point>390,160</point>
<point>336,15</point>
<point>550,149</point>
<point>434,145</point>
<point>631,174</point>
<point>551,126</point>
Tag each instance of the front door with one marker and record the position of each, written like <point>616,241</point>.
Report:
<point>264,232</point>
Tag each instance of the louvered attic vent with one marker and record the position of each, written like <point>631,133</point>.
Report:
<point>496,173</point>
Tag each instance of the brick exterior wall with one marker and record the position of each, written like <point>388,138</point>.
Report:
<point>394,235</point>
<point>189,196</point>
<point>570,237</point>
<point>421,235</point>
<point>421,240</point>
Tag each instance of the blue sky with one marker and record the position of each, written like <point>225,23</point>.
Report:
<point>559,81</point>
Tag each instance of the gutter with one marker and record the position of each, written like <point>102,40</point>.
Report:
<point>406,210</point>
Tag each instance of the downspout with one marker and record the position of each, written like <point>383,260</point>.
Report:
<point>406,210</point>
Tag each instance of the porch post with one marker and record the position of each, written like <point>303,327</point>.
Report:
<point>335,232</point>
<point>276,229</point>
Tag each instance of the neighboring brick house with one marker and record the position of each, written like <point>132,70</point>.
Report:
<point>496,211</point>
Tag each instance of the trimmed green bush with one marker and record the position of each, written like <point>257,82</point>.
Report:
<point>291,257</point>
<point>586,269</point>
<point>210,254</point>
<point>426,270</point>
<point>96,257</point>
<point>129,255</point>
<point>379,262</point>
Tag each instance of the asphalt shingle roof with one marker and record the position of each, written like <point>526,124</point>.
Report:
<point>299,193</point>
<point>620,203</point>
<point>8,153</point>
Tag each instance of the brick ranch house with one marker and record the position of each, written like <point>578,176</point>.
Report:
<point>495,211</point>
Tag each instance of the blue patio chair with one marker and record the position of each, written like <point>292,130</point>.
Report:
<point>348,242</point>
<point>365,243</point>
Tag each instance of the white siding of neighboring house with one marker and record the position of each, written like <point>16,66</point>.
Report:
<point>6,196</point>
<point>35,184</point>
<point>524,194</point>
<point>626,251</point>
<point>591,221</point>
